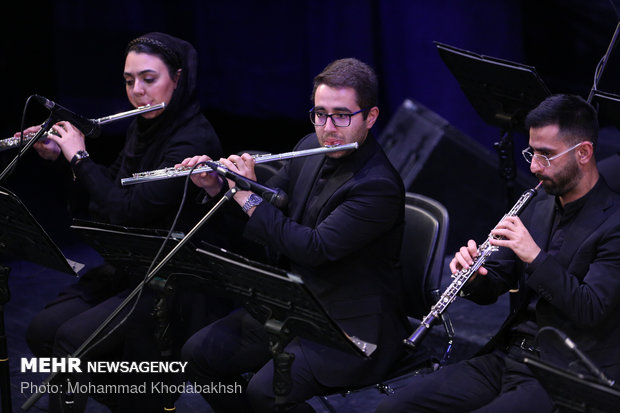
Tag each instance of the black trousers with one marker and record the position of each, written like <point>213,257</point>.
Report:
<point>489,383</point>
<point>68,321</point>
<point>222,352</point>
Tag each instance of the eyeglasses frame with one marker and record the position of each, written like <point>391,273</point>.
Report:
<point>547,159</point>
<point>330,116</point>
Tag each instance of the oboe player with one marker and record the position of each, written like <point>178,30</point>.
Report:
<point>564,253</point>
<point>341,232</point>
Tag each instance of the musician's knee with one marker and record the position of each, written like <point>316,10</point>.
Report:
<point>65,341</point>
<point>260,395</point>
<point>40,334</point>
<point>198,354</point>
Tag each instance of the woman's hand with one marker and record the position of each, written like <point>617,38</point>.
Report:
<point>209,181</point>
<point>68,138</point>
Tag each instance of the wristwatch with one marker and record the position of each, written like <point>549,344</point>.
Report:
<point>79,155</point>
<point>252,201</point>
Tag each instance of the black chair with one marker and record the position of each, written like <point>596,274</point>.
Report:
<point>422,259</point>
<point>422,256</point>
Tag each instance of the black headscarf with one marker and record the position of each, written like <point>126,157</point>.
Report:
<point>183,105</point>
<point>180,131</point>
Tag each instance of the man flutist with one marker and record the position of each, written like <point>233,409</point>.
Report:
<point>341,232</point>
<point>564,254</point>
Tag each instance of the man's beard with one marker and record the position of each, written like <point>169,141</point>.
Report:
<point>563,182</point>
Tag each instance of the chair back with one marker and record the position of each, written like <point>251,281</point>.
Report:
<point>422,253</point>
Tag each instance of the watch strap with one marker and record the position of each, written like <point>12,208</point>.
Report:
<point>252,201</point>
<point>79,155</point>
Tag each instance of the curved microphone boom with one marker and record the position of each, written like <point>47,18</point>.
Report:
<point>275,196</point>
<point>570,344</point>
<point>16,141</point>
<point>88,127</point>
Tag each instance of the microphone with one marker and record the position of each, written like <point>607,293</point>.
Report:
<point>88,127</point>
<point>275,196</point>
<point>589,363</point>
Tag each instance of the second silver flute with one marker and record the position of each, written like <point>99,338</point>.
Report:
<point>171,172</point>
<point>462,276</point>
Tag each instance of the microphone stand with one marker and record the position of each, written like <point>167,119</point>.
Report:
<point>227,196</point>
<point>47,125</point>
<point>594,370</point>
<point>5,383</point>
<point>276,196</point>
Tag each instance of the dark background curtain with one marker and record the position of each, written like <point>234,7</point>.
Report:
<point>258,59</point>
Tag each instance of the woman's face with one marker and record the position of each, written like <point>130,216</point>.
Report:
<point>148,82</point>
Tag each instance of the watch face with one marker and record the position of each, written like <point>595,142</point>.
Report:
<point>255,199</point>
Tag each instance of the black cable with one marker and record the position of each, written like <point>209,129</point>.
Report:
<point>21,134</point>
<point>161,248</point>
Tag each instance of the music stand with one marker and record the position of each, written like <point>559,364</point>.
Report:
<point>130,250</point>
<point>572,392</point>
<point>276,298</point>
<point>267,292</point>
<point>137,290</point>
<point>502,93</point>
<point>23,238</point>
<point>271,293</point>
<point>273,296</point>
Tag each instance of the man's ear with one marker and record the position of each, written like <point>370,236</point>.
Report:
<point>585,152</point>
<point>373,114</point>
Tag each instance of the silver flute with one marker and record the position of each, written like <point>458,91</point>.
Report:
<point>461,277</point>
<point>172,172</point>
<point>14,142</point>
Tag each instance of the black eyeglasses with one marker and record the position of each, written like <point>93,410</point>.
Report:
<point>342,120</point>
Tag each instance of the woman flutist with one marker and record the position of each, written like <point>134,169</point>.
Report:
<point>158,68</point>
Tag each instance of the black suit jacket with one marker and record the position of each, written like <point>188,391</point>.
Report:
<point>349,258</point>
<point>578,288</point>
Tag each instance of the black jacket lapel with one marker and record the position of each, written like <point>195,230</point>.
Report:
<point>594,213</point>
<point>543,216</point>
<point>307,175</point>
<point>345,171</point>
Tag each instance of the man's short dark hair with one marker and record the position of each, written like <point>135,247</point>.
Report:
<point>352,73</point>
<point>576,118</point>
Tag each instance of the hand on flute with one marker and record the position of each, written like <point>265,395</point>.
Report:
<point>68,138</point>
<point>46,148</point>
<point>209,181</point>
